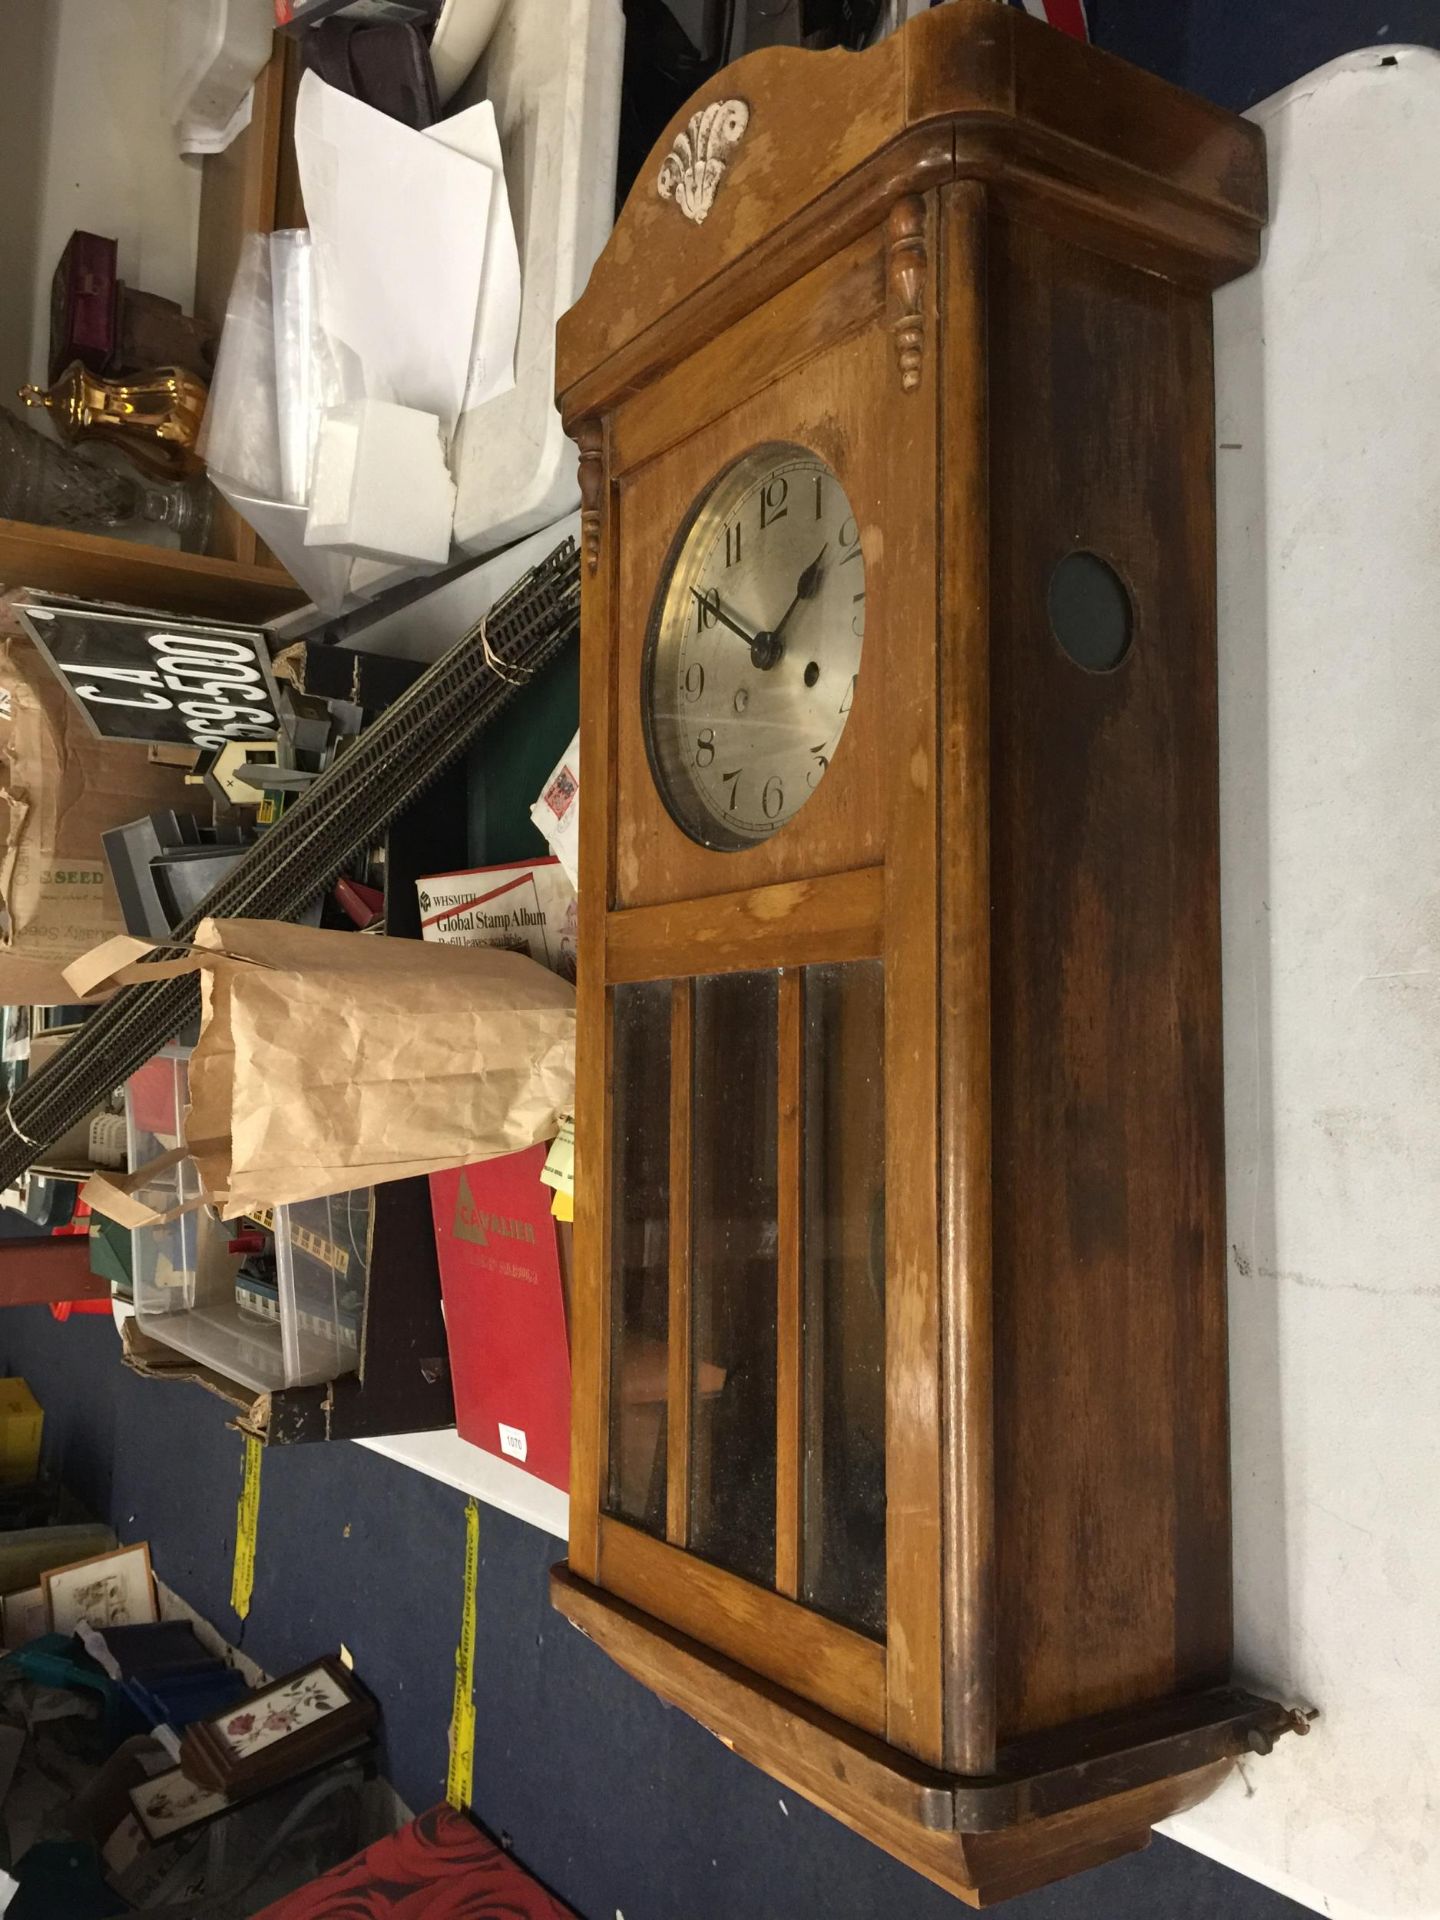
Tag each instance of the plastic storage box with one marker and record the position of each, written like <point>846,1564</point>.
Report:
<point>321,1261</point>
<point>298,1329</point>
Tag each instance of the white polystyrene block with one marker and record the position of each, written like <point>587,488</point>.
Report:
<point>381,488</point>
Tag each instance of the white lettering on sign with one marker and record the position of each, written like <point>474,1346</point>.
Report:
<point>220,690</point>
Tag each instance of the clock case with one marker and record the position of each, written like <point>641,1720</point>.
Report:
<point>971,269</point>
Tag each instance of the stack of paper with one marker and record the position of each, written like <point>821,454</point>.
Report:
<point>411,301</point>
<point>419,276</point>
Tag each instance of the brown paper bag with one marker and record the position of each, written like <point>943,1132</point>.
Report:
<point>328,1061</point>
<point>60,789</point>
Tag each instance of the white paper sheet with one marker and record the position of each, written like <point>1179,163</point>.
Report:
<point>492,361</point>
<point>557,812</point>
<point>400,223</point>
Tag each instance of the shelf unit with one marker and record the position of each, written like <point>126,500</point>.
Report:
<point>238,578</point>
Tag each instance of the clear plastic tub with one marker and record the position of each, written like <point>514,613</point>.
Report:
<point>322,1255</point>
<point>301,1327</point>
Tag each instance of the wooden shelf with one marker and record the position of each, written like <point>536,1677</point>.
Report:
<point>239,578</point>
<point>99,568</point>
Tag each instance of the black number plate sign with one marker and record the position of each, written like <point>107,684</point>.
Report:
<point>148,677</point>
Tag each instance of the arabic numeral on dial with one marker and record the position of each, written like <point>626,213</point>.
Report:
<point>693,684</point>
<point>705,747</point>
<point>849,540</point>
<point>732,781</point>
<point>772,798</point>
<point>819,494</point>
<point>707,608</point>
<point>817,772</point>
<point>849,700</point>
<point>773,496</point>
<point>732,544</point>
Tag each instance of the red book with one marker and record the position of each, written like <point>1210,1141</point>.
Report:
<point>505,1311</point>
<point>440,1867</point>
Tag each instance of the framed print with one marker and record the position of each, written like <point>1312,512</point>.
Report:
<point>111,1590</point>
<point>171,1803</point>
<point>25,1617</point>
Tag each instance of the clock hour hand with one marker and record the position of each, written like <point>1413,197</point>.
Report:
<point>806,588</point>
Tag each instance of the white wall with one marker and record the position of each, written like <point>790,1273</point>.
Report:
<point>1328,430</point>
<point>85,142</point>
<point>24,55</point>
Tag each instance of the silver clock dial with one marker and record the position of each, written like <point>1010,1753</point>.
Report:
<point>754,648</point>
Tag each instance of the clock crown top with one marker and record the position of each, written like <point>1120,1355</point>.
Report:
<point>789,155</point>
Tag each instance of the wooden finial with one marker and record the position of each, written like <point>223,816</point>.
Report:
<point>590,440</point>
<point>905,271</point>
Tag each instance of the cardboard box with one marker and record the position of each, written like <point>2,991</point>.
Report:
<point>61,789</point>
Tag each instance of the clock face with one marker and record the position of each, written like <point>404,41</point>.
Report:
<point>754,648</point>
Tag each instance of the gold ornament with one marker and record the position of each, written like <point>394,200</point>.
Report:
<point>155,416</point>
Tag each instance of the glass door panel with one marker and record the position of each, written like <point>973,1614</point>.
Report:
<point>843,1235</point>
<point>640,1254</point>
<point>734,1129</point>
<point>747,1384</point>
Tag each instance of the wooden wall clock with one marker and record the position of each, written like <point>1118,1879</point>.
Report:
<point>900,1452</point>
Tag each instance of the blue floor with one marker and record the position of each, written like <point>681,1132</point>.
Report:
<point>617,1802</point>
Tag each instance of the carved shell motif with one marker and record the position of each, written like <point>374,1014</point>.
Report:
<point>690,172</point>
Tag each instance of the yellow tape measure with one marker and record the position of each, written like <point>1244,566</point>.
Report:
<point>247,1526</point>
<point>460,1780</point>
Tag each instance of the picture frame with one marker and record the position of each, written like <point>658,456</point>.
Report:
<point>25,1617</point>
<point>276,1731</point>
<point>171,1803</point>
<point>114,1589</point>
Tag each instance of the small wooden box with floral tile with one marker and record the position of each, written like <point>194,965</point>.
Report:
<point>279,1730</point>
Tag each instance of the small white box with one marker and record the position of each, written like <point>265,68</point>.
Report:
<point>381,488</point>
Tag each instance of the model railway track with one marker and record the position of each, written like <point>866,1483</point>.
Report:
<point>342,813</point>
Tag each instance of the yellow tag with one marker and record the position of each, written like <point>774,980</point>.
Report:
<point>325,1251</point>
<point>459,1783</point>
<point>559,1168</point>
<point>247,1525</point>
<point>562,1207</point>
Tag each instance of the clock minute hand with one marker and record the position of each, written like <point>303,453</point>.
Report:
<point>714,606</point>
<point>765,648</point>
